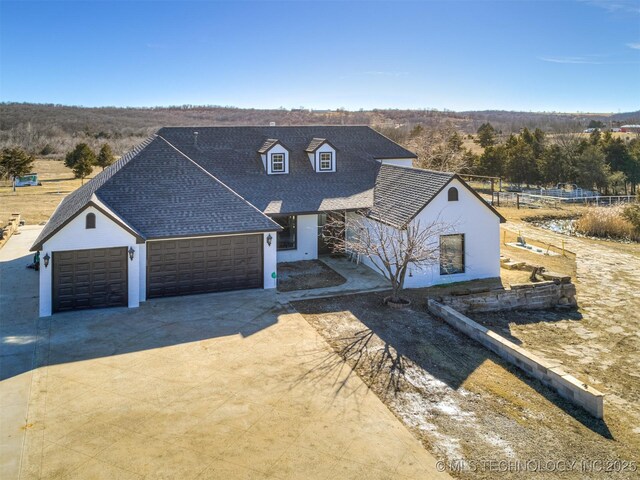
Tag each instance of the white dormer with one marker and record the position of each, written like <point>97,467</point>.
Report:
<point>322,155</point>
<point>275,157</point>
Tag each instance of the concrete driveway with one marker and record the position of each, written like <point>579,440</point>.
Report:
<point>213,386</point>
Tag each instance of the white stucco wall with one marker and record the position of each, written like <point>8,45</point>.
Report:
<point>400,162</point>
<point>270,260</point>
<point>74,236</point>
<point>481,228</point>
<point>142,252</point>
<point>307,241</point>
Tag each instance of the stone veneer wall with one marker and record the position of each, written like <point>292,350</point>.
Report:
<point>526,296</point>
<point>548,372</point>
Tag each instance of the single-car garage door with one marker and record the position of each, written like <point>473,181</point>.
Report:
<point>89,278</point>
<point>203,265</point>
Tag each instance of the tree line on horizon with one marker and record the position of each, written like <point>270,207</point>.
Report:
<point>598,161</point>
<point>48,130</point>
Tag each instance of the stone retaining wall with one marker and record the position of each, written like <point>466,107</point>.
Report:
<point>10,228</point>
<point>526,296</point>
<point>548,372</point>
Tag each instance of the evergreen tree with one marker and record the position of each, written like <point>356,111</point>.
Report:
<point>591,168</point>
<point>81,160</point>
<point>82,169</point>
<point>556,165</point>
<point>522,165</point>
<point>486,135</point>
<point>105,156</point>
<point>491,162</point>
<point>15,163</point>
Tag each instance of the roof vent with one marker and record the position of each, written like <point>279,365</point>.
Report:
<point>272,124</point>
<point>195,139</point>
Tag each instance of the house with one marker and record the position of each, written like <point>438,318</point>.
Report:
<point>196,210</point>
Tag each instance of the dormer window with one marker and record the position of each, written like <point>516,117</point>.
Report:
<point>326,161</point>
<point>275,157</point>
<point>322,155</point>
<point>277,162</point>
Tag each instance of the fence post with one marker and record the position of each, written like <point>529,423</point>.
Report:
<point>517,201</point>
<point>504,237</point>
<point>563,248</point>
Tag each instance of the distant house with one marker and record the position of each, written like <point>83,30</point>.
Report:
<point>188,213</point>
<point>630,128</point>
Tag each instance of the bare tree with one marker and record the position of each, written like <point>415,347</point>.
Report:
<point>440,148</point>
<point>392,251</point>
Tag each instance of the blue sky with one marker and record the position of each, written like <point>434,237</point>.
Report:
<point>459,55</point>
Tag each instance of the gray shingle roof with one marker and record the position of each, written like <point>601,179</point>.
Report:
<point>268,143</point>
<point>79,198</point>
<point>161,193</point>
<point>315,143</point>
<point>402,192</point>
<point>230,154</point>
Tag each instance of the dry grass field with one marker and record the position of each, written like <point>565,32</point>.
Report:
<point>36,204</point>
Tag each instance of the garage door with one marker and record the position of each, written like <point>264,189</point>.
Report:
<point>89,279</point>
<point>203,265</point>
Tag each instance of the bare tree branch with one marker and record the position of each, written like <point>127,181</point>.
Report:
<point>391,250</point>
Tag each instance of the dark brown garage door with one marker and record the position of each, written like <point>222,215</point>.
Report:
<point>203,265</point>
<point>89,279</point>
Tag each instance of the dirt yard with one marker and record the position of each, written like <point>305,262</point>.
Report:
<point>307,275</point>
<point>601,342</point>
<point>463,402</point>
<point>36,204</point>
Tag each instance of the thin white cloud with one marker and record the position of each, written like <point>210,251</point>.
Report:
<point>585,60</point>
<point>385,74</point>
<point>616,6</point>
<point>573,60</point>
<point>635,46</point>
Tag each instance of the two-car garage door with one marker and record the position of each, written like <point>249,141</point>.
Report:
<point>203,265</point>
<point>98,277</point>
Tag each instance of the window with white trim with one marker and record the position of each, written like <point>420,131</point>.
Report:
<point>326,161</point>
<point>277,162</point>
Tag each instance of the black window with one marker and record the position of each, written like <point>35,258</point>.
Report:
<point>277,162</point>
<point>453,194</point>
<point>90,220</point>
<point>288,236</point>
<point>451,254</point>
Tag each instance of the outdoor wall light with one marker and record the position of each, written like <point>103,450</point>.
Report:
<point>132,252</point>
<point>269,239</point>
<point>46,259</point>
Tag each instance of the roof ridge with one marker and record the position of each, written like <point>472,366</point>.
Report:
<point>392,141</point>
<point>358,125</point>
<point>215,178</point>
<point>89,189</point>
<point>418,169</point>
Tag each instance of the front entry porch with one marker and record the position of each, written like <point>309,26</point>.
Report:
<point>327,227</point>
<point>359,278</point>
